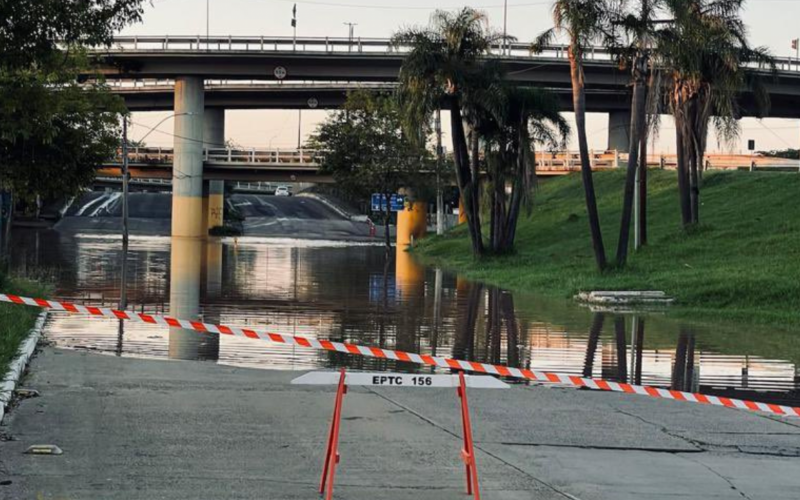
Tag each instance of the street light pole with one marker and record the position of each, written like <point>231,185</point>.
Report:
<point>439,154</point>
<point>351,32</point>
<point>123,295</point>
<point>299,126</point>
<point>505,25</point>
<point>208,22</point>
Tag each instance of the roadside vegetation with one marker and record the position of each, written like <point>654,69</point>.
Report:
<point>739,264</point>
<point>16,321</point>
<point>686,57</point>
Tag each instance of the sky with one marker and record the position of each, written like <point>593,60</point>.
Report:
<point>772,23</point>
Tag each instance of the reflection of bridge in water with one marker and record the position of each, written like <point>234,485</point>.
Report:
<point>348,294</point>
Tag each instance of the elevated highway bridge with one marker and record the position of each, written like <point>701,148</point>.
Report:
<point>200,77</point>
<point>291,165</point>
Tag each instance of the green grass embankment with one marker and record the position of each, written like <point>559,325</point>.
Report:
<point>16,321</point>
<point>741,264</point>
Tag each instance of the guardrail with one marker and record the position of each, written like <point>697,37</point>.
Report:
<point>338,45</point>
<point>292,157</point>
<point>546,161</point>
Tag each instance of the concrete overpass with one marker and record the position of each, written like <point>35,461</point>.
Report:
<point>282,165</point>
<point>237,69</point>
<point>200,77</point>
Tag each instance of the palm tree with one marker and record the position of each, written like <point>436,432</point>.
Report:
<point>528,116</point>
<point>639,29</point>
<point>705,51</point>
<point>445,65</point>
<point>585,22</point>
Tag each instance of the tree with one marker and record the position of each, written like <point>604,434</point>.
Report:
<point>367,151</point>
<point>527,116</point>
<point>640,33</point>
<point>55,131</point>
<point>445,65</point>
<point>705,51</point>
<point>585,22</point>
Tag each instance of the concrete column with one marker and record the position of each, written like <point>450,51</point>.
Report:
<point>216,204</point>
<point>412,224</point>
<point>213,138</point>
<point>408,274</point>
<point>187,172</point>
<point>462,213</point>
<point>214,128</point>
<point>619,131</point>
<point>184,301</point>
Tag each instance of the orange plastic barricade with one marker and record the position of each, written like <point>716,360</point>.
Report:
<point>468,451</point>
<point>332,454</point>
<point>384,379</point>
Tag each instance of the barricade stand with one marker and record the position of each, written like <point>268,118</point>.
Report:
<point>332,453</point>
<point>468,451</point>
<point>409,380</point>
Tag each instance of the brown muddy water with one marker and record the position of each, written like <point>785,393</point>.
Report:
<point>347,292</point>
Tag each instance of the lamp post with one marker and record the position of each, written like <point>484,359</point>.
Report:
<point>505,26</point>
<point>350,33</point>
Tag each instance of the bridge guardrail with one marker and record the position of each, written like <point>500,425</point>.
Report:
<point>328,45</point>
<point>546,161</point>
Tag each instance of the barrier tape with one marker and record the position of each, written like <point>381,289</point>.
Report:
<point>420,359</point>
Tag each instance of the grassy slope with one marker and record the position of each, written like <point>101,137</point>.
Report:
<point>16,321</point>
<point>742,264</point>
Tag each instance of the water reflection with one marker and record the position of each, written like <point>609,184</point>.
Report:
<point>352,294</point>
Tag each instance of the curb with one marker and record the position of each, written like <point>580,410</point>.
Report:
<point>17,366</point>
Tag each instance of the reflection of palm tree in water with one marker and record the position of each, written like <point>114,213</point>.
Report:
<point>500,312</point>
<point>512,329</point>
<point>622,350</point>
<point>591,347</point>
<point>464,341</point>
<point>683,368</point>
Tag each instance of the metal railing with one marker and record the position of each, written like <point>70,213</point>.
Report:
<point>273,157</point>
<point>211,84</point>
<point>546,161</point>
<point>337,45</point>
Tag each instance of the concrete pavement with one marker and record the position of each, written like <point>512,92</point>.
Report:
<point>134,428</point>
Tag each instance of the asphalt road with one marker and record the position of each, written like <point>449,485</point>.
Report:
<point>266,216</point>
<point>141,429</point>
<point>295,217</point>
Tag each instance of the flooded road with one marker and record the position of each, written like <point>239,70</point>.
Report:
<point>346,292</point>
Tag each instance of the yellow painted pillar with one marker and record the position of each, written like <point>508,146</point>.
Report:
<point>216,204</point>
<point>412,222</point>
<point>205,209</point>
<point>409,275</point>
<point>187,172</point>
<point>462,214</point>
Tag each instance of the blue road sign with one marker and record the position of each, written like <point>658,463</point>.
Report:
<point>397,202</point>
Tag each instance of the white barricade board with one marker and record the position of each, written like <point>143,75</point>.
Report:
<point>387,379</point>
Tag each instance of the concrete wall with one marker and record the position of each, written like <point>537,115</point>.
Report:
<point>619,131</point>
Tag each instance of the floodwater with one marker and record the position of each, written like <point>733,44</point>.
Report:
<point>344,292</point>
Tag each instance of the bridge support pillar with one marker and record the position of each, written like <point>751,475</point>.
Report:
<point>187,171</point>
<point>412,224</point>
<point>188,225</point>
<point>214,192</point>
<point>619,131</point>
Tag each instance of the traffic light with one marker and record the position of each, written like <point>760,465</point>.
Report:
<point>795,43</point>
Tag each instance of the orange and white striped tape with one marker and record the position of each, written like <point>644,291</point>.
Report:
<point>410,357</point>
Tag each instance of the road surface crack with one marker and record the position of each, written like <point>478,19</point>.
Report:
<point>440,427</point>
